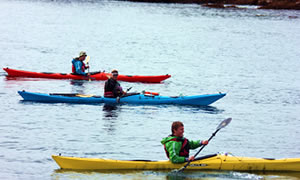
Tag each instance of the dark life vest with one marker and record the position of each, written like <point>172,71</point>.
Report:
<point>112,88</point>
<point>185,147</point>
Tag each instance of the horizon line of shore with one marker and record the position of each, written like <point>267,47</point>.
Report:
<point>262,4</point>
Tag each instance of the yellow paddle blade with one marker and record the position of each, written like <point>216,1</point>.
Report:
<point>84,95</point>
<point>87,59</point>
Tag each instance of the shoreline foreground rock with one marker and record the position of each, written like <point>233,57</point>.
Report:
<point>262,4</point>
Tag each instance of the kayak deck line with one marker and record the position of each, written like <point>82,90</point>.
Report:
<point>196,159</point>
<point>131,98</point>
<point>209,162</point>
<point>97,75</point>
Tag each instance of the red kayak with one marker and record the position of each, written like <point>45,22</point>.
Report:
<point>100,76</point>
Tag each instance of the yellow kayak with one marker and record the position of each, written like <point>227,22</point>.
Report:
<point>209,162</point>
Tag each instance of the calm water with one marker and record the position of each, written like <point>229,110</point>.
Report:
<point>253,55</point>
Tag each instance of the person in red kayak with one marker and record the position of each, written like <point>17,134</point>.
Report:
<point>78,66</point>
<point>177,147</point>
<point>112,88</point>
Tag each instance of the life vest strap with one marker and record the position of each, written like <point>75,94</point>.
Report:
<point>109,94</point>
<point>184,150</point>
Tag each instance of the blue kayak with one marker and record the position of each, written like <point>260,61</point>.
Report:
<point>132,98</point>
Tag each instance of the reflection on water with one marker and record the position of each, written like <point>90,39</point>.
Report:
<point>169,175</point>
<point>211,110</point>
<point>110,117</point>
<point>203,109</point>
<point>110,111</point>
<point>250,53</point>
<point>211,175</point>
<point>78,86</point>
<point>3,73</point>
<point>77,82</point>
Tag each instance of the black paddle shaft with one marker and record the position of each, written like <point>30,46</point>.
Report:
<point>128,89</point>
<point>213,134</point>
<point>221,125</point>
<point>118,98</point>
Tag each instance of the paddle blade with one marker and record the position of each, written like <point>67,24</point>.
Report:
<point>87,59</point>
<point>176,170</point>
<point>179,170</point>
<point>224,123</point>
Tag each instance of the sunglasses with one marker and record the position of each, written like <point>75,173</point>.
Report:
<point>115,74</point>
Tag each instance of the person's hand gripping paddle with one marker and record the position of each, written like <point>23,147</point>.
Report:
<point>223,124</point>
<point>118,98</point>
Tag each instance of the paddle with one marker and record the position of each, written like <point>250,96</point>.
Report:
<point>128,89</point>
<point>119,97</point>
<point>87,60</point>
<point>223,124</point>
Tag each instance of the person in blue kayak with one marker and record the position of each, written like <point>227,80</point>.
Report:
<point>112,87</point>
<point>78,66</point>
<point>177,147</point>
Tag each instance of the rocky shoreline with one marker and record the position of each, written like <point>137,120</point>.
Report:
<point>262,4</point>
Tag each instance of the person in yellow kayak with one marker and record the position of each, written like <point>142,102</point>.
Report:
<point>78,66</point>
<point>112,87</point>
<point>177,147</point>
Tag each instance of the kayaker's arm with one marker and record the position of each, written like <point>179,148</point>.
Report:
<point>86,66</point>
<point>196,144</point>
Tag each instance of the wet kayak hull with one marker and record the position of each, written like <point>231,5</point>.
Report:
<point>100,76</point>
<point>199,100</point>
<point>210,162</point>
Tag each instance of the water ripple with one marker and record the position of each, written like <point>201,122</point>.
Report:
<point>248,53</point>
